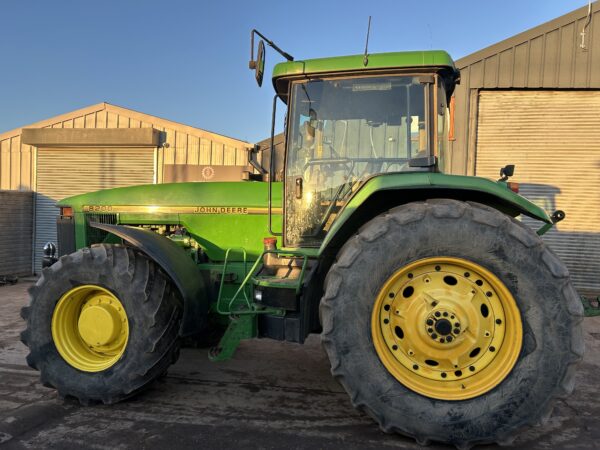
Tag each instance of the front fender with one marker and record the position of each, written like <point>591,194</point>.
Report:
<point>383,192</point>
<point>177,264</point>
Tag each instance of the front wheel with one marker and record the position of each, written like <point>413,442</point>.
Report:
<point>449,321</point>
<point>102,323</point>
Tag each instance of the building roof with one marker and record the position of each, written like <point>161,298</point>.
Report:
<point>575,19</point>
<point>141,117</point>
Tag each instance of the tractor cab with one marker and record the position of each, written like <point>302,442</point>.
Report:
<point>348,121</point>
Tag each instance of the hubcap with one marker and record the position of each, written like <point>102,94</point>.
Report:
<point>446,328</point>
<point>443,327</point>
<point>90,328</point>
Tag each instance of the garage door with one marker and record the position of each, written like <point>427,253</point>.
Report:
<point>553,138</point>
<point>63,172</point>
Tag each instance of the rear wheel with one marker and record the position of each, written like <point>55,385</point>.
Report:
<point>448,321</point>
<point>102,324</point>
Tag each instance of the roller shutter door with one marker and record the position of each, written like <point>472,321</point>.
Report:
<point>553,138</point>
<point>63,172</point>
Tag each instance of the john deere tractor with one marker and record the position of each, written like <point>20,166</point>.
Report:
<point>443,316</point>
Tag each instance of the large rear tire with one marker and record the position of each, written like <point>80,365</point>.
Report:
<point>511,343</point>
<point>102,323</point>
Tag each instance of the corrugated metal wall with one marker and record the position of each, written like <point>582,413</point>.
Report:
<point>16,223</point>
<point>185,144</point>
<point>548,56</point>
<point>60,175</point>
<point>16,163</point>
<point>553,138</point>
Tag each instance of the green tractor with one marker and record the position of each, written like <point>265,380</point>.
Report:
<point>443,316</point>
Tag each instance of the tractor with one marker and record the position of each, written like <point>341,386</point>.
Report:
<point>443,316</point>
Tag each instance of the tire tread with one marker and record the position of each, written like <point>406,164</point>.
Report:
<point>158,302</point>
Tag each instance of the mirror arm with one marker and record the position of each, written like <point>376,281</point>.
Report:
<point>270,43</point>
<point>252,153</point>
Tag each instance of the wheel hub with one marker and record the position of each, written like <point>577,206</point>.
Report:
<point>99,324</point>
<point>446,328</point>
<point>443,326</point>
<point>90,328</point>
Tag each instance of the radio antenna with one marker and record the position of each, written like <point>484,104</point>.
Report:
<point>366,57</point>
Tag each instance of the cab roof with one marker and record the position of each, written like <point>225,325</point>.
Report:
<point>355,63</point>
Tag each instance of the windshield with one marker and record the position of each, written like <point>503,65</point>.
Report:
<point>342,131</point>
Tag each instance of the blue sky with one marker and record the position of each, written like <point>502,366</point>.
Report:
<point>188,60</point>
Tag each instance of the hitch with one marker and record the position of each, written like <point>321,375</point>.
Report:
<point>240,327</point>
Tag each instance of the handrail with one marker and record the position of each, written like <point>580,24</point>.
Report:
<point>243,251</point>
<point>249,275</point>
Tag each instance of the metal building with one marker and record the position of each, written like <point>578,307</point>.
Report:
<point>16,232</point>
<point>533,100</point>
<point>105,146</point>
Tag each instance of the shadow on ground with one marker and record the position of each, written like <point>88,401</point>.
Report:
<point>271,395</point>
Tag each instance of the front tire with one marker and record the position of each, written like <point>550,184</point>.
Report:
<point>102,323</point>
<point>380,356</point>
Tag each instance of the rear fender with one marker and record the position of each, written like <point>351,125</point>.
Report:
<point>177,264</point>
<point>383,192</point>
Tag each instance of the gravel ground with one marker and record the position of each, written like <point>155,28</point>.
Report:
<point>270,395</point>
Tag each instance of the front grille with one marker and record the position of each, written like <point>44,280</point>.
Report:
<point>94,235</point>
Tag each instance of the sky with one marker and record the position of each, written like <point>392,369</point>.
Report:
<point>187,61</point>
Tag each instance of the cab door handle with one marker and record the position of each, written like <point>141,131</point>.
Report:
<point>298,188</point>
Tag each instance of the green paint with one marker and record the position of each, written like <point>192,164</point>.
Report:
<point>591,306</point>
<point>240,327</point>
<point>544,229</point>
<point>227,305</point>
<point>214,232</point>
<point>242,301</point>
<point>425,180</point>
<point>396,60</point>
<point>218,232</point>
<point>421,61</point>
<point>242,193</point>
<point>80,232</point>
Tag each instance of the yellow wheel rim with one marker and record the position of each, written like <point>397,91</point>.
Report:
<point>446,328</point>
<point>90,328</point>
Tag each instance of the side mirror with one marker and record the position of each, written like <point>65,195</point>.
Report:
<point>258,64</point>
<point>506,172</point>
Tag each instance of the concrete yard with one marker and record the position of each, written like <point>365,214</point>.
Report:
<point>271,395</point>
